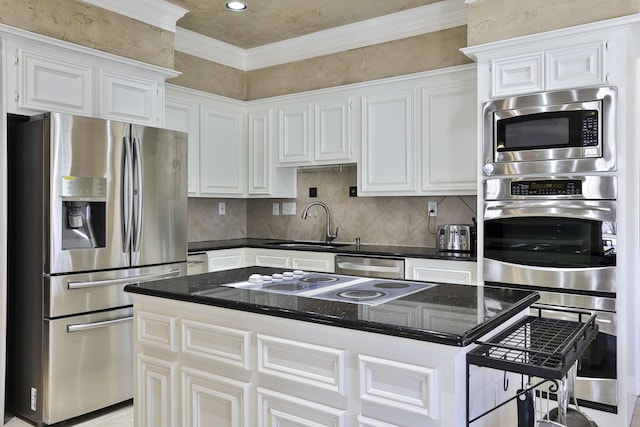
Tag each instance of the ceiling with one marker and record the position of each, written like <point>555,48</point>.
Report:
<point>270,21</point>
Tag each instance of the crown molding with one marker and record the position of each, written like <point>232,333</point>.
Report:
<point>158,13</point>
<point>210,49</point>
<point>434,17</point>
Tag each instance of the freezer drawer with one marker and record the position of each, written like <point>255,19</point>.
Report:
<point>81,293</point>
<point>88,363</point>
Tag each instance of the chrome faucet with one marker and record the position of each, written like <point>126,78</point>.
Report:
<point>305,214</point>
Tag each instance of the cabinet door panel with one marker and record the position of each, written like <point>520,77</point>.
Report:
<point>333,131</point>
<point>210,400</point>
<point>388,151</point>
<point>50,84</point>
<point>521,74</point>
<point>221,151</point>
<point>128,98</point>
<point>576,66</point>
<point>294,135</point>
<point>450,149</point>
<point>182,115</point>
<point>157,392</point>
<point>260,181</point>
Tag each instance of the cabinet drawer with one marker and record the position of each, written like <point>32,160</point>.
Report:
<point>305,363</point>
<point>157,330</point>
<point>217,343</point>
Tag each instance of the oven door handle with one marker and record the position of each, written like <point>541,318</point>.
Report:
<point>95,325</point>
<point>604,211</point>
<point>606,321</point>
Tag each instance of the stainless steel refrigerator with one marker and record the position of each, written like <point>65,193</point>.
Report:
<point>93,205</point>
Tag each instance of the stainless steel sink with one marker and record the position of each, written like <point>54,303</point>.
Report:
<point>307,245</point>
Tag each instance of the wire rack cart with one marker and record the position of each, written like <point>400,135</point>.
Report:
<point>534,346</point>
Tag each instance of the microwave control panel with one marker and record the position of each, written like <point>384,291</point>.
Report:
<point>567,187</point>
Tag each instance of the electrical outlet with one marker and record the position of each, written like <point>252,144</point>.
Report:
<point>275,209</point>
<point>433,208</point>
<point>288,208</point>
<point>34,398</point>
<point>222,208</point>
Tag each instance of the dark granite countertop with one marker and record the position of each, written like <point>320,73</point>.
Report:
<point>447,314</point>
<point>349,249</point>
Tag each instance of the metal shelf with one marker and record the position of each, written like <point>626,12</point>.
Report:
<point>537,346</point>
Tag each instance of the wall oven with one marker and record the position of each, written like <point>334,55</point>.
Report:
<point>557,235</point>
<point>560,132</point>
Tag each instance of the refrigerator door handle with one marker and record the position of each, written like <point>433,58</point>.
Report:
<point>124,280</point>
<point>137,193</point>
<point>127,191</point>
<point>78,327</point>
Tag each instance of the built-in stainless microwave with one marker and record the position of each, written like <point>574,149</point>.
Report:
<point>568,131</point>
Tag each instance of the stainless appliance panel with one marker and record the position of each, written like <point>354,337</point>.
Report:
<point>384,268</point>
<point>85,147</point>
<point>89,363</point>
<point>197,263</point>
<point>84,292</point>
<point>556,160</point>
<point>598,279</point>
<point>593,187</point>
<point>159,196</point>
<point>596,380</point>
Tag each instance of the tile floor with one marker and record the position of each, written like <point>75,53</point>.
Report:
<point>119,417</point>
<point>123,417</point>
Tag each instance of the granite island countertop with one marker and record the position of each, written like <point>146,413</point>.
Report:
<point>344,248</point>
<point>448,314</point>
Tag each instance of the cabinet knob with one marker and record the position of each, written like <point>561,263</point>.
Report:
<point>488,169</point>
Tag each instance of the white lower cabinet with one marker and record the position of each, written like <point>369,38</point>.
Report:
<point>226,259</point>
<point>441,271</point>
<point>298,260</point>
<point>240,369</point>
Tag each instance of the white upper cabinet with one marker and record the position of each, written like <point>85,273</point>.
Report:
<point>265,178</point>
<point>184,115</point>
<point>222,151</point>
<point>389,142</point>
<point>449,154</point>
<point>419,135</point>
<point>581,65</point>
<point>315,129</point>
<point>333,130</point>
<point>127,98</point>
<point>46,83</point>
<point>45,74</point>
<point>585,55</point>
<point>294,137</point>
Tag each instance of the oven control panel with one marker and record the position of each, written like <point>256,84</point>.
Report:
<point>568,187</point>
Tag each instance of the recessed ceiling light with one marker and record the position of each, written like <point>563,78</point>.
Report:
<point>236,6</point>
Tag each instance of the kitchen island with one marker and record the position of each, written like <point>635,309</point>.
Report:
<point>211,354</point>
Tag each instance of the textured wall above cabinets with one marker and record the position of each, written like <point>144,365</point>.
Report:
<point>91,26</point>
<point>493,20</point>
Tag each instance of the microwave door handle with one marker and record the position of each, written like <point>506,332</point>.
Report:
<point>125,280</point>
<point>78,327</point>
<point>127,191</point>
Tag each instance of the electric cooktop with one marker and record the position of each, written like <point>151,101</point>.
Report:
<point>334,287</point>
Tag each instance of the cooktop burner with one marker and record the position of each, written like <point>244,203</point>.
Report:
<point>333,287</point>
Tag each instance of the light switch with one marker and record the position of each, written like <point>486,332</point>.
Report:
<point>288,208</point>
<point>222,208</point>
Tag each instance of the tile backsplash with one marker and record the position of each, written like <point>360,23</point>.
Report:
<point>376,220</point>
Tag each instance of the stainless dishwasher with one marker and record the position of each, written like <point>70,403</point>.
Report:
<point>197,263</point>
<point>384,268</point>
